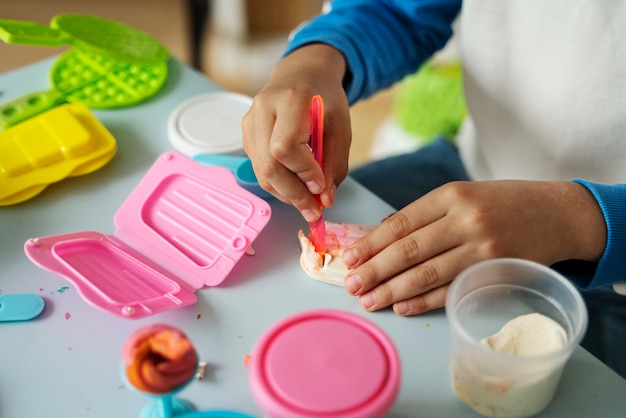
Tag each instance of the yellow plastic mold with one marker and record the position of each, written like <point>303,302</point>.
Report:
<point>65,141</point>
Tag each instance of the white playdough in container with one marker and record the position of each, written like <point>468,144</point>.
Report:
<point>513,392</point>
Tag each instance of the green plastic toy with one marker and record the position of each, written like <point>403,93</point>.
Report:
<point>111,65</point>
<point>429,103</point>
<point>94,80</point>
<point>90,33</point>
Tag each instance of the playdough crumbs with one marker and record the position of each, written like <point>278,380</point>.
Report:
<point>198,316</point>
<point>250,250</point>
<point>201,373</point>
<point>246,360</point>
<point>328,266</point>
<point>426,325</point>
<point>62,289</point>
<point>67,315</point>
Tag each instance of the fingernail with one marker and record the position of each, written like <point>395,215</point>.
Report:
<point>401,308</point>
<point>314,187</point>
<point>309,215</point>
<point>329,199</point>
<point>368,300</point>
<point>353,283</point>
<point>350,257</point>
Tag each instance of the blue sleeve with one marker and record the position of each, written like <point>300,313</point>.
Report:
<point>381,40</point>
<point>612,266</point>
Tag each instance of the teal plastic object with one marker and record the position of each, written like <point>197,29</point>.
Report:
<point>241,168</point>
<point>94,80</point>
<point>20,307</point>
<point>214,414</point>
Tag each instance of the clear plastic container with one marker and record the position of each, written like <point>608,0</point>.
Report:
<point>481,300</point>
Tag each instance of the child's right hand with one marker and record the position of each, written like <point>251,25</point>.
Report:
<point>276,129</point>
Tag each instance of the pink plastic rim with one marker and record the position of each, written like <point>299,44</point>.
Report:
<point>326,363</point>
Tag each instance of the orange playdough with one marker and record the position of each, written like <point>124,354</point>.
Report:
<point>159,358</point>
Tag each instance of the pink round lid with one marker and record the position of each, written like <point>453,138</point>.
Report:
<point>325,363</point>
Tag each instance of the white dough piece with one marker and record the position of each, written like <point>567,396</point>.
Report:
<point>329,267</point>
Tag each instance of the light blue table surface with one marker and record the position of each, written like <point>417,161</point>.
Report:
<point>65,363</point>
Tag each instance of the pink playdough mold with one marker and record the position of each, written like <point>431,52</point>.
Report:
<point>184,227</point>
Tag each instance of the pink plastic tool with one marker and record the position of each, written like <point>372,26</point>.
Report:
<point>324,363</point>
<point>184,227</point>
<point>317,228</point>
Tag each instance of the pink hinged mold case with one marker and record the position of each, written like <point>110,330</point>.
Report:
<point>184,227</point>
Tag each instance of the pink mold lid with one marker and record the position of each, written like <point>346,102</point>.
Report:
<point>184,227</point>
<point>325,363</point>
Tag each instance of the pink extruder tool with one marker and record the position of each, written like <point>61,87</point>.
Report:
<point>317,228</point>
<point>184,227</point>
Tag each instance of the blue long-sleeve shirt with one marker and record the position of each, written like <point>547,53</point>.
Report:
<point>382,41</point>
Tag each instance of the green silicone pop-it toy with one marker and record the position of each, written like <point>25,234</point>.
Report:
<point>102,83</point>
<point>111,65</point>
<point>83,77</point>
<point>90,33</point>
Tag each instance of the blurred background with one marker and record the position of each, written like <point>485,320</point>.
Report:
<point>235,43</point>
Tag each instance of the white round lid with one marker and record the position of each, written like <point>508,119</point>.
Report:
<point>209,123</point>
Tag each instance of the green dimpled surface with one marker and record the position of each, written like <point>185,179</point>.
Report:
<point>100,82</point>
<point>110,38</point>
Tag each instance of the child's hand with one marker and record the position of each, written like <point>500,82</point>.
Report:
<point>409,261</point>
<point>276,129</point>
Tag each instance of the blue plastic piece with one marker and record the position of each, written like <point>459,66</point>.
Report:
<point>241,168</point>
<point>20,307</point>
<point>215,414</point>
<point>166,407</point>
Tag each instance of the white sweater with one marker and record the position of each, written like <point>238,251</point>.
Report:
<point>571,55</point>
